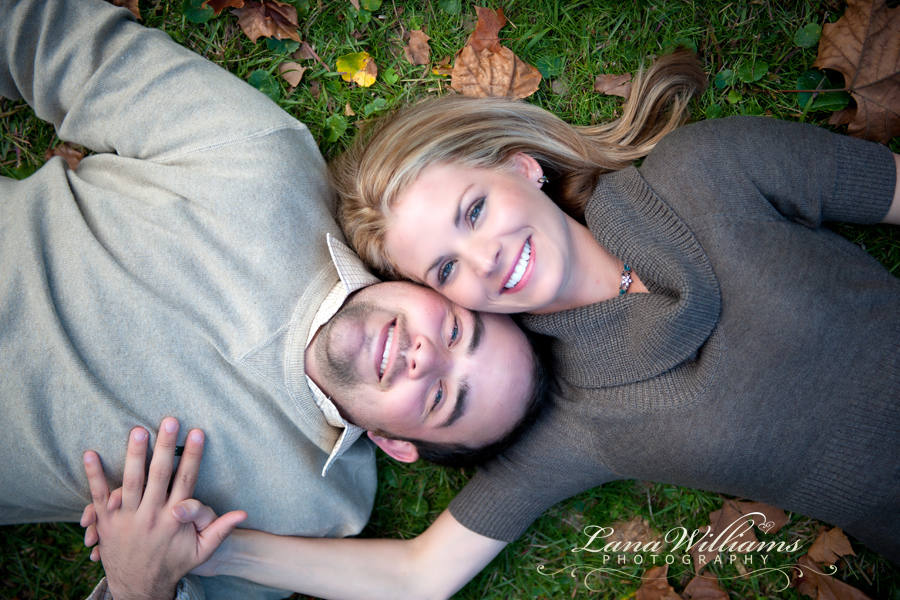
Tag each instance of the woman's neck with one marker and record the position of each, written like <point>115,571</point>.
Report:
<point>594,276</point>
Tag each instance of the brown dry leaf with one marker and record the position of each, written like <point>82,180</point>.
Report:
<point>418,52</point>
<point>704,588</point>
<point>728,518</point>
<point>864,46</point>
<point>220,5</point>
<point>636,530</point>
<point>655,586</point>
<point>613,85</point>
<point>348,112</point>
<point>560,87</point>
<point>487,29</point>
<point>70,153</point>
<point>498,74</point>
<point>315,89</point>
<point>355,4</point>
<point>305,53</point>
<point>810,581</point>
<point>829,546</point>
<point>292,72</point>
<point>775,518</point>
<point>131,5</point>
<point>701,559</point>
<point>268,18</point>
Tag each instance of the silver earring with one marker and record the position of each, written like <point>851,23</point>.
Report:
<point>543,179</point>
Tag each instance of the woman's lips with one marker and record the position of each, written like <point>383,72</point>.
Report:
<point>521,270</point>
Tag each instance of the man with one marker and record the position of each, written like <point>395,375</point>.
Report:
<point>183,270</point>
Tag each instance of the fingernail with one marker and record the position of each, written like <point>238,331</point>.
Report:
<point>179,512</point>
<point>171,426</point>
<point>196,436</point>
<point>89,458</point>
<point>140,435</point>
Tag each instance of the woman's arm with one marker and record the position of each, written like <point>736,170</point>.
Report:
<point>893,215</point>
<point>433,565</point>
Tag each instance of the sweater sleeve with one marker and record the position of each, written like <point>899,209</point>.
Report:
<point>805,173</point>
<point>555,460</point>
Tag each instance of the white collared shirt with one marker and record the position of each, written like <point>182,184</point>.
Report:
<point>353,276</point>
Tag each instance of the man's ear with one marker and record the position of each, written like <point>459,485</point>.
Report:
<point>403,451</point>
<point>528,167</point>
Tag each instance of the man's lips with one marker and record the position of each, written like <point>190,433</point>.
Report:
<point>385,349</point>
<point>525,258</point>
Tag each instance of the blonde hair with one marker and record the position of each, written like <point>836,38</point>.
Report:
<point>390,154</point>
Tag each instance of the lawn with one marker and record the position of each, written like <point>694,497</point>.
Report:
<point>572,43</point>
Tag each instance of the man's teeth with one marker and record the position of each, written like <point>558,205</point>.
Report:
<point>387,351</point>
<point>520,267</point>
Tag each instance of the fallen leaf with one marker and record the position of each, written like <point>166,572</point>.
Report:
<point>829,546</point>
<point>268,18</point>
<point>560,87</point>
<point>810,581</point>
<point>728,518</point>
<point>636,530</point>
<point>348,112</point>
<point>131,5</point>
<point>655,586</point>
<point>292,72</point>
<point>315,89</point>
<point>355,4</point>
<point>774,520</point>
<point>220,5</point>
<point>487,29</point>
<point>499,74</point>
<point>701,559</point>
<point>864,46</point>
<point>704,588</point>
<point>613,85</point>
<point>69,152</point>
<point>358,67</point>
<point>418,52</point>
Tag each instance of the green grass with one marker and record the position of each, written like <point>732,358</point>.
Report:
<point>589,38</point>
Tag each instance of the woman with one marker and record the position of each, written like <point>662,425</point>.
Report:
<point>709,332</point>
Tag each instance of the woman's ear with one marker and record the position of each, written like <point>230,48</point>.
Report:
<point>397,449</point>
<point>528,167</point>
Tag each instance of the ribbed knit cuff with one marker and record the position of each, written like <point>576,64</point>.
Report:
<point>865,179</point>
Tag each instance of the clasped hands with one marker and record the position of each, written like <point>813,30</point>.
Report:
<point>150,538</point>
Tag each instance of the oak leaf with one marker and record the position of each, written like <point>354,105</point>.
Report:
<point>728,518</point>
<point>418,52</point>
<point>655,586</point>
<point>829,546</point>
<point>704,588</point>
<point>487,29</point>
<point>499,74</point>
<point>864,46</point>
<point>613,85</point>
<point>69,152</point>
<point>292,72</point>
<point>636,530</point>
<point>220,5</point>
<point>268,18</point>
<point>131,5</point>
<point>811,581</point>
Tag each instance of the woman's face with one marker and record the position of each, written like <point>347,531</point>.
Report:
<point>489,240</point>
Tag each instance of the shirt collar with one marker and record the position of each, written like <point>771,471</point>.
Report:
<point>353,276</point>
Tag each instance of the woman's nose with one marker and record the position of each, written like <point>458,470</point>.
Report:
<point>484,257</point>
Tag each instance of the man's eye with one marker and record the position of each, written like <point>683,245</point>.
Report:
<point>475,211</point>
<point>455,333</point>
<point>445,272</point>
<point>439,396</point>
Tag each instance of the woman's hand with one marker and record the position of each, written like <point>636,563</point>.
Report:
<point>145,546</point>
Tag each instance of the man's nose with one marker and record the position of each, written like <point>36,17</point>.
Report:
<point>484,256</point>
<point>424,358</point>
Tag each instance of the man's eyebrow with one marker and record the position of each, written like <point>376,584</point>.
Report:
<point>462,398</point>
<point>477,331</point>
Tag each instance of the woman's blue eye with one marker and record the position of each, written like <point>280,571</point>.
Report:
<point>475,211</point>
<point>445,271</point>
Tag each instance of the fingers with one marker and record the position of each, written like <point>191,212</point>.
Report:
<point>95,554</point>
<point>191,510</point>
<point>90,536</point>
<point>96,480</point>
<point>218,531</point>
<point>115,500</point>
<point>189,467</point>
<point>161,465</point>
<point>133,476</point>
<point>88,516</point>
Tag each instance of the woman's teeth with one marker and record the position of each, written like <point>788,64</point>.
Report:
<point>387,351</point>
<point>520,267</point>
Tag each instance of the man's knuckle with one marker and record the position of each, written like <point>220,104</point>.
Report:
<point>130,482</point>
<point>160,473</point>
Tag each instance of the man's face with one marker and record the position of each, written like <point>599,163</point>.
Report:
<point>402,359</point>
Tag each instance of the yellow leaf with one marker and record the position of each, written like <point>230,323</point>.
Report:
<point>358,67</point>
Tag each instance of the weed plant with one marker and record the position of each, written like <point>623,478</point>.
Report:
<point>572,42</point>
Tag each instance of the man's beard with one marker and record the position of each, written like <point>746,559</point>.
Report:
<point>339,369</point>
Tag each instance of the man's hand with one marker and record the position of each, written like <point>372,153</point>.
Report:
<point>144,547</point>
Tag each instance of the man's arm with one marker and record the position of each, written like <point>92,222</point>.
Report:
<point>893,215</point>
